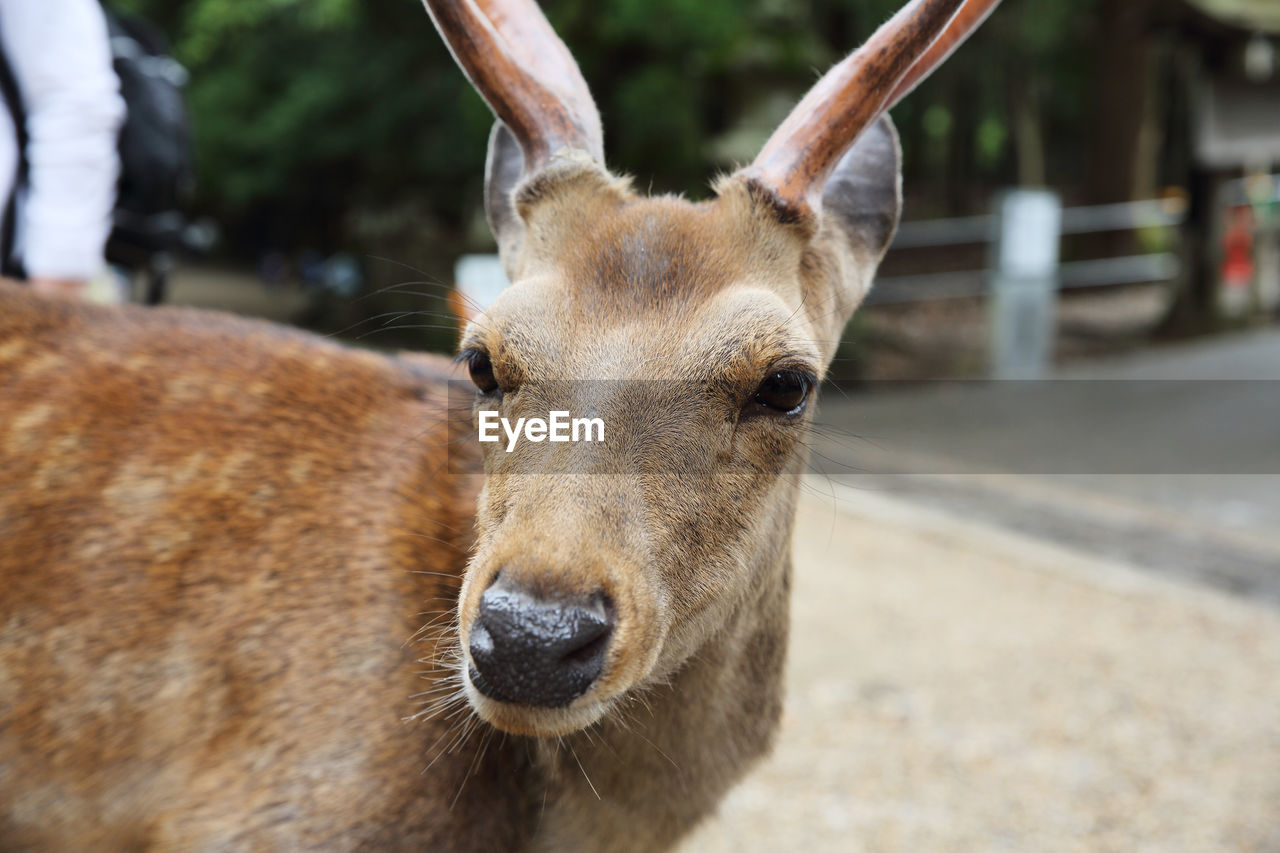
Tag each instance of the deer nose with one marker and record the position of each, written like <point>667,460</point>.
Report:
<point>533,650</point>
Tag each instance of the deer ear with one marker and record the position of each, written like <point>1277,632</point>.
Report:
<point>863,197</point>
<point>503,168</point>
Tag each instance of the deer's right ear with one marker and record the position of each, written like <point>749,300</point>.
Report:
<point>503,169</point>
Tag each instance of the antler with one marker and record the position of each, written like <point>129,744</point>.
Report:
<point>799,156</point>
<point>524,72</point>
<point>968,19</point>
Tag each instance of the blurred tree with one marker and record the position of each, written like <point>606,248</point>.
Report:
<point>1120,166</point>
<point>315,118</point>
<point>304,109</point>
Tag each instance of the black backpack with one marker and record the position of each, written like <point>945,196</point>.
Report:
<point>156,168</point>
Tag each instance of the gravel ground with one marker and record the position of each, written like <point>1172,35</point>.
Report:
<point>956,687</point>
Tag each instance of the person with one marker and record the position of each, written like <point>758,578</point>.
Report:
<point>59,63</point>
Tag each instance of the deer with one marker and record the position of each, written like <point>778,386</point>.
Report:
<point>260,590</point>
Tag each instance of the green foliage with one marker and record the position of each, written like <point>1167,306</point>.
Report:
<point>306,110</point>
<point>303,108</point>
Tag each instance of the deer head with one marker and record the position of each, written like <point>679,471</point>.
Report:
<point>697,332</point>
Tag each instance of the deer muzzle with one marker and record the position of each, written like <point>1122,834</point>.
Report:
<point>539,650</point>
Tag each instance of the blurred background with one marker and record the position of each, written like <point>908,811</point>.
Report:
<point>1032,615</point>
<point>339,152</point>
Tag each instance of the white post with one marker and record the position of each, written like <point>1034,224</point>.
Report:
<point>479,278</point>
<point>1024,285</point>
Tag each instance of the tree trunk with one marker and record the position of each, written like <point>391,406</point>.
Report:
<point>1125,64</point>
<point>1194,308</point>
<point>1028,139</point>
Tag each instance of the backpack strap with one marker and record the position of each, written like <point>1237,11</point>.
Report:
<point>9,265</point>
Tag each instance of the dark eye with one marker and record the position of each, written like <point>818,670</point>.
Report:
<point>482,372</point>
<point>784,391</point>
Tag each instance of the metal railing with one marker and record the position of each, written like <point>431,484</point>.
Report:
<point>985,228</point>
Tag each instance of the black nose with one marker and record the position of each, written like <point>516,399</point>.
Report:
<point>538,651</point>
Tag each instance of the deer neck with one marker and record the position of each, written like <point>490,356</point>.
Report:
<point>656,766</point>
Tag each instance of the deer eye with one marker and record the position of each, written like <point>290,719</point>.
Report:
<point>784,391</point>
<point>481,369</point>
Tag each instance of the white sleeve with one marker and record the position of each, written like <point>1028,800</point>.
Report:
<point>61,59</point>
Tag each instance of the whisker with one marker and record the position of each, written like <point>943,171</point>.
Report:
<point>574,753</point>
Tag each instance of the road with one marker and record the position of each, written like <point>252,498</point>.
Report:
<point>954,686</point>
<point>1169,460</point>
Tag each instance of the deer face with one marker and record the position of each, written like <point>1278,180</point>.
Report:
<point>697,333</point>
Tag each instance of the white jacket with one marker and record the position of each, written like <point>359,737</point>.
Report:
<point>60,56</point>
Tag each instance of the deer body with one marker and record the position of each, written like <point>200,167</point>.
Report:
<point>257,592</point>
<point>185,661</point>
<point>210,597</point>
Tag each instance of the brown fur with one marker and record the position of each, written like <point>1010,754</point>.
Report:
<point>213,533</point>
<point>232,554</point>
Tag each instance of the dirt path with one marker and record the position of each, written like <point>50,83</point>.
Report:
<point>957,687</point>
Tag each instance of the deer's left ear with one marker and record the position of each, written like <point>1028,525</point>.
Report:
<point>833,162</point>
<point>862,200</point>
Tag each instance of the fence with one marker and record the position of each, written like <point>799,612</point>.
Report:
<point>968,230</point>
<point>1024,272</point>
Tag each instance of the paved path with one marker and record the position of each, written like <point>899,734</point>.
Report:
<point>957,687</point>
<point>1169,460</point>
